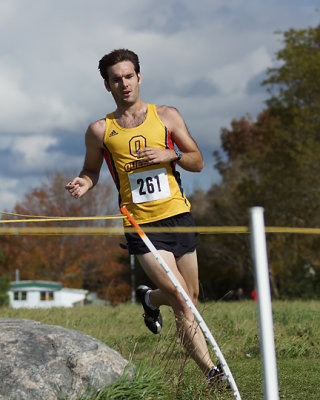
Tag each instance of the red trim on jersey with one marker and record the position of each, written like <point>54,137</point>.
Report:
<point>170,141</point>
<point>107,158</point>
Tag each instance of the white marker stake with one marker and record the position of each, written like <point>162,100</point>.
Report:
<point>260,259</point>
<point>189,303</point>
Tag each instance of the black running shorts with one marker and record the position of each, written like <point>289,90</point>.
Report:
<point>176,242</point>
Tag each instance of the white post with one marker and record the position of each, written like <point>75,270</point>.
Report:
<point>133,291</point>
<point>259,255</point>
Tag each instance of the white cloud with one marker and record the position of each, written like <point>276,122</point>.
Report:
<point>34,149</point>
<point>9,195</point>
<point>7,9</point>
<point>50,84</point>
<point>233,77</point>
<point>34,155</point>
<point>25,112</point>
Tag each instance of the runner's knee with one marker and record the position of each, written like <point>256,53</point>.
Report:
<point>177,302</point>
<point>194,299</point>
<point>194,294</point>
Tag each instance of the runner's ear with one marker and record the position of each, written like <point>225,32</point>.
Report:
<point>107,86</point>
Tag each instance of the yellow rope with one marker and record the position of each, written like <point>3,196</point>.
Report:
<point>305,231</point>
<point>117,230</point>
<point>26,215</point>
<point>120,230</point>
<point>55,219</point>
<point>62,231</point>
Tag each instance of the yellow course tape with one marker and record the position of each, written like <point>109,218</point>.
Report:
<point>304,231</point>
<point>120,229</point>
<point>115,230</point>
<point>26,215</point>
<point>55,219</point>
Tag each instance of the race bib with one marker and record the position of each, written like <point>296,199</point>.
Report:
<point>149,185</point>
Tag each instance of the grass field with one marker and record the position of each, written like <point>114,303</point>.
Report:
<point>166,372</point>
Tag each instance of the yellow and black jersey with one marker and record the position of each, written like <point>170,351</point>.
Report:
<point>150,192</point>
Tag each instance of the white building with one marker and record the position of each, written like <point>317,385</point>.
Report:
<point>44,294</point>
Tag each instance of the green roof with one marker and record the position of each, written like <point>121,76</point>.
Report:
<point>37,284</point>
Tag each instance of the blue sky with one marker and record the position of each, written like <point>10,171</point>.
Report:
<point>207,58</point>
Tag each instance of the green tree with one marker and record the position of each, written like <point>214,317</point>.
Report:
<point>272,162</point>
<point>4,289</point>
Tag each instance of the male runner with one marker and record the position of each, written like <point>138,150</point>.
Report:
<point>141,144</point>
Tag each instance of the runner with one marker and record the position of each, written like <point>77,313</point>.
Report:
<point>142,143</point>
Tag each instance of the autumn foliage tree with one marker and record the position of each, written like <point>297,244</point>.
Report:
<point>273,162</point>
<point>80,261</point>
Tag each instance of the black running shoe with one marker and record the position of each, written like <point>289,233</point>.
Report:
<point>217,378</point>
<point>152,318</point>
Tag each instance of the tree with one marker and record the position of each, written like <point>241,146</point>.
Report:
<point>80,261</point>
<point>273,162</point>
<point>4,289</point>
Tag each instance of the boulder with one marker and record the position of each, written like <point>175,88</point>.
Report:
<point>39,361</point>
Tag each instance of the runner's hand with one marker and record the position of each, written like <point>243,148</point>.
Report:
<point>78,187</point>
<point>154,155</point>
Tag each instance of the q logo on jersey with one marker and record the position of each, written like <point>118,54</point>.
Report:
<point>136,143</point>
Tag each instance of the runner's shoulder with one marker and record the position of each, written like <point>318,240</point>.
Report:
<point>167,111</point>
<point>169,115</point>
<point>97,129</point>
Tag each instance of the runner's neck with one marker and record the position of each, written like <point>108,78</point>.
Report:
<point>131,118</point>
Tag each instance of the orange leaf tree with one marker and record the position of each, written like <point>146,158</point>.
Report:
<point>92,262</point>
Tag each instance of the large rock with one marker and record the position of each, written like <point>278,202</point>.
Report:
<point>48,362</point>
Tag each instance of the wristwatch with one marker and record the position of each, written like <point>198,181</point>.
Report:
<point>178,153</point>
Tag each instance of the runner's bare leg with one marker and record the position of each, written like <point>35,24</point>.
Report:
<point>188,329</point>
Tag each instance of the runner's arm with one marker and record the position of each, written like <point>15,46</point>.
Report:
<point>191,159</point>
<point>90,172</point>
